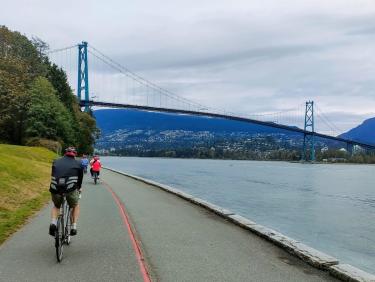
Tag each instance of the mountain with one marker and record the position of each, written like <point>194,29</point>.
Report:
<point>364,132</point>
<point>153,134</point>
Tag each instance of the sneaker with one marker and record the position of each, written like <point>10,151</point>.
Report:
<point>73,232</point>
<point>52,229</point>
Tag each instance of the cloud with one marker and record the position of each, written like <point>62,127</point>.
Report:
<point>245,56</point>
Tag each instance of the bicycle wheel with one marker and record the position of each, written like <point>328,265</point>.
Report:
<point>95,177</point>
<point>59,239</point>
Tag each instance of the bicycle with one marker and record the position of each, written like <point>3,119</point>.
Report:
<point>62,235</point>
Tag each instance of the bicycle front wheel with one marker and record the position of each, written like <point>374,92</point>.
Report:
<point>59,239</point>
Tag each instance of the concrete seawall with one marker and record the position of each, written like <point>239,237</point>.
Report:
<point>312,256</point>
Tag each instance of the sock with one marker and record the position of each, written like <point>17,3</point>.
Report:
<point>74,225</point>
<point>54,221</point>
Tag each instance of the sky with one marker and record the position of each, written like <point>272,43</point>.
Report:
<point>245,56</point>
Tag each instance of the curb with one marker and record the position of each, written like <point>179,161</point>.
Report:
<point>347,272</point>
<point>315,258</point>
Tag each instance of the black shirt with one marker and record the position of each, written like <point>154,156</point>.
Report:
<point>67,175</point>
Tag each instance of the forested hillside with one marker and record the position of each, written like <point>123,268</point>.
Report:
<point>37,105</point>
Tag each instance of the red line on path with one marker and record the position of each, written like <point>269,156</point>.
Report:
<point>136,248</point>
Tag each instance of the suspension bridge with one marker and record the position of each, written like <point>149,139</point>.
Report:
<point>114,86</point>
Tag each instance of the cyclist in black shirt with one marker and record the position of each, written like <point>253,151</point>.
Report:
<point>67,174</point>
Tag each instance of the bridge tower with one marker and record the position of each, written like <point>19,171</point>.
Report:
<point>83,76</point>
<point>350,148</point>
<point>308,138</point>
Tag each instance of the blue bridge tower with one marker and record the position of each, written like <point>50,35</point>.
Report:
<point>308,138</point>
<point>83,76</point>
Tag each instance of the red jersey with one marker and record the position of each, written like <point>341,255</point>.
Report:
<point>96,165</point>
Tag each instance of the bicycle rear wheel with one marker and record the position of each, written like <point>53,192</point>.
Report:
<point>95,177</point>
<point>59,239</point>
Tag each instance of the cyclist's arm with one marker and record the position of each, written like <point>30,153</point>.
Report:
<point>80,177</point>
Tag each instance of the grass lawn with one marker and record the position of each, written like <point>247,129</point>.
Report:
<point>24,181</point>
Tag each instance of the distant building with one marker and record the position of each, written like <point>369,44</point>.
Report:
<point>357,149</point>
<point>337,160</point>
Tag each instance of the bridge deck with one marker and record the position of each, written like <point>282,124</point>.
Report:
<point>180,242</point>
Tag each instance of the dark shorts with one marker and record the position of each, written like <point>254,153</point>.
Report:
<point>92,172</point>
<point>72,199</point>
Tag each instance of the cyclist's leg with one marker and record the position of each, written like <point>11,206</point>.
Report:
<point>73,201</point>
<point>75,214</point>
<point>57,201</point>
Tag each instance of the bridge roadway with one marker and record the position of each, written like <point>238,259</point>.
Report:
<point>179,242</point>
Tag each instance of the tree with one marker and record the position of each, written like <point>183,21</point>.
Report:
<point>59,80</point>
<point>40,45</point>
<point>36,100</point>
<point>84,124</point>
<point>47,117</point>
<point>19,65</point>
<point>88,132</point>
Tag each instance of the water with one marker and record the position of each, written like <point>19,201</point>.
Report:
<point>329,207</point>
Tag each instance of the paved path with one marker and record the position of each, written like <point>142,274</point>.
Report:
<point>180,242</point>
<point>102,250</point>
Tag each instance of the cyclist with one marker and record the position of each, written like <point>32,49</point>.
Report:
<point>84,163</point>
<point>95,165</point>
<point>66,177</point>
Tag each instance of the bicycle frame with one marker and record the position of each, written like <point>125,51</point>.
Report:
<point>63,229</point>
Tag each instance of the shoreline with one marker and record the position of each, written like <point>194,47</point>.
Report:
<point>243,160</point>
<point>309,255</point>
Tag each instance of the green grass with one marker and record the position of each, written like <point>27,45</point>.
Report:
<point>24,180</point>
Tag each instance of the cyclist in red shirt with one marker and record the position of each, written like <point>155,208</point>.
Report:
<point>95,165</point>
